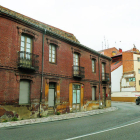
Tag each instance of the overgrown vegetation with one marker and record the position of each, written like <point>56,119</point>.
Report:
<point>5,121</point>
<point>14,119</point>
<point>58,113</point>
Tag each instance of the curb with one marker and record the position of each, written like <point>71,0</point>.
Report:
<point>58,117</point>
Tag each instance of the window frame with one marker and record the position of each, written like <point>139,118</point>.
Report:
<point>138,71</point>
<point>25,44</point>
<point>76,89</point>
<point>74,59</point>
<point>55,46</point>
<point>103,68</point>
<point>94,70</point>
<point>138,58</point>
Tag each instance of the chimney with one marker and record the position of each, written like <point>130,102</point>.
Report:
<point>134,48</point>
<point>120,50</point>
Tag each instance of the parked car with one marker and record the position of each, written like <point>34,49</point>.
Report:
<point>138,101</point>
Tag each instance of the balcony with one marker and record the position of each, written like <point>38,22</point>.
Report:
<point>28,61</point>
<point>78,72</point>
<point>105,77</point>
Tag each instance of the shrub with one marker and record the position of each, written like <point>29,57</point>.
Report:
<point>14,119</point>
<point>58,113</point>
<point>5,121</point>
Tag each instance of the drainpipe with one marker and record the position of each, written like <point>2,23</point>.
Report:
<point>42,72</point>
<point>99,78</point>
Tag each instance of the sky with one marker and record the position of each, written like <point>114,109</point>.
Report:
<point>97,24</point>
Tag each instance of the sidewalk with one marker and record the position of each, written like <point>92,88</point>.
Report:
<point>58,117</point>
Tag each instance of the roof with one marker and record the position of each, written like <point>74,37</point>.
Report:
<point>107,49</point>
<point>49,29</point>
<point>38,23</point>
<point>115,65</point>
<point>108,52</point>
<point>117,54</point>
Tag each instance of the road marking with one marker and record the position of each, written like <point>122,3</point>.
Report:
<point>101,131</point>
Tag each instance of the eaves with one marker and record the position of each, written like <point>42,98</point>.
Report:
<point>50,33</point>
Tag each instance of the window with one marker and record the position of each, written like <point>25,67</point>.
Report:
<point>24,92</point>
<point>25,51</point>
<point>139,71</point>
<point>26,47</point>
<point>75,59</point>
<point>131,79</point>
<point>52,53</point>
<point>76,64</point>
<point>139,82</point>
<point>93,93</point>
<point>93,65</point>
<point>103,71</point>
<point>138,59</point>
<point>76,94</point>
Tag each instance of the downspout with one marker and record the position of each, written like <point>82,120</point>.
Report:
<point>42,73</point>
<point>99,78</point>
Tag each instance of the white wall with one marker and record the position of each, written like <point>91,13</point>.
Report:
<point>136,67</point>
<point>125,94</point>
<point>115,79</point>
<point>128,89</point>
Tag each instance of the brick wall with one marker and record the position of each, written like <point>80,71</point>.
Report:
<point>128,63</point>
<point>108,52</point>
<point>10,75</point>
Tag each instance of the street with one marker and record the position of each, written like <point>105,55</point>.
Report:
<point>121,124</point>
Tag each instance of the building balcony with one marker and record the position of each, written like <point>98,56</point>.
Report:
<point>78,72</point>
<point>28,61</point>
<point>105,77</point>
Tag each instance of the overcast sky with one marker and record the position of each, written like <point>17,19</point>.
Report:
<point>116,22</point>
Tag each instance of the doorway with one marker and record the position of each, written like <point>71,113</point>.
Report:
<point>76,97</point>
<point>51,95</point>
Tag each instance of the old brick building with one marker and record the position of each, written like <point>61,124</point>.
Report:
<point>45,70</point>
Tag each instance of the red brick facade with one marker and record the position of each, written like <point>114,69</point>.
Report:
<point>60,73</point>
<point>110,52</point>
<point>128,63</point>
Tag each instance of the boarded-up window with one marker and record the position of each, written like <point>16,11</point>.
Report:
<point>93,93</point>
<point>24,92</point>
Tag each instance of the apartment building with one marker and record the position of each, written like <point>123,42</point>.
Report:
<point>45,70</point>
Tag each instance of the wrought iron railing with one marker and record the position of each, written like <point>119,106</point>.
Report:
<point>78,71</point>
<point>28,60</point>
<point>105,77</point>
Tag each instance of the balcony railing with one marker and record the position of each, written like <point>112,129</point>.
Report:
<point>28,61</point>
<point>105,77</point>
<point>78,71</point>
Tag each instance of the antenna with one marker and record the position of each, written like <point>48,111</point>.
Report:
<point>105,42</point>
<point>108,43</point>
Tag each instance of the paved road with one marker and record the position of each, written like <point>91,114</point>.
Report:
<point>121,124</point>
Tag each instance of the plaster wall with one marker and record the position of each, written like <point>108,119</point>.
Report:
<point>128,89</point>
<point>124,96</point>
<point>136,67</point>
<point>115,79</point>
